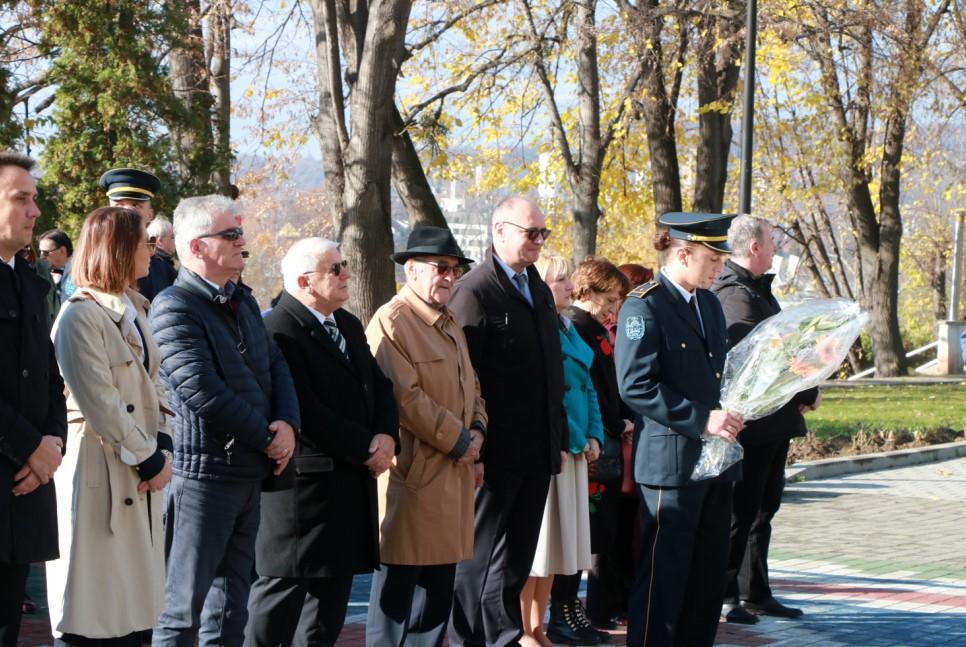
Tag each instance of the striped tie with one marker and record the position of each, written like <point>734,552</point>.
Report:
<point>336,336</point>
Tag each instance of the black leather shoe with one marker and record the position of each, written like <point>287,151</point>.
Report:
<point>771,607</point>
<point>735,614</point>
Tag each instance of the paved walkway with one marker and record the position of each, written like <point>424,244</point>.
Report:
<point>875,560</point>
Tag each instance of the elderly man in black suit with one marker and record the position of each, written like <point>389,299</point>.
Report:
<point>316,535</point>
<point>511,326</point>
<point>33,413</point>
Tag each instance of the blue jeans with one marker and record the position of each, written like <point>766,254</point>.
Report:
<point>210,545</point>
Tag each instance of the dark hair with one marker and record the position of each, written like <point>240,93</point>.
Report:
<point>636,274</point>
<point>663,242</point>
<point>13,158</point>
<point>59,237</point>
<point>597,274</point>
<point>108,242</point>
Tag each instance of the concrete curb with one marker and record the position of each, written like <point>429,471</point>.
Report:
<point>842,465</point>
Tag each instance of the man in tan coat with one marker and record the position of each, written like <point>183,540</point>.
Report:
<point>428,526</point>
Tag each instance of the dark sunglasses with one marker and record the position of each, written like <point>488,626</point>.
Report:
<point>334,269</point>
<point>233,233</point>
<point>442,269</point>
<point>44,253</point>
<point>532,232</point>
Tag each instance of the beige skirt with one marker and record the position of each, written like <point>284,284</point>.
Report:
<point>564,544</point>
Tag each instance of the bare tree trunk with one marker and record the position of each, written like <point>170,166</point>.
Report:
<point>585,178</point>
<point>719,53</point>
<point>366,232</point>
<point>329,124</point>
<point>658,109</point>
<point>188,71</point>
<point>409,179</point>
<point>219,66</point>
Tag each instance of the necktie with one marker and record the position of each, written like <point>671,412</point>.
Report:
<point>520,280</point>
<point>336,336</point>
<point>694,308</point>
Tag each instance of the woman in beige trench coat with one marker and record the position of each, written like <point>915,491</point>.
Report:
<point>108,584</point>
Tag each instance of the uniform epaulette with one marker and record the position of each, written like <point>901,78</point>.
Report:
<point>643,290</point>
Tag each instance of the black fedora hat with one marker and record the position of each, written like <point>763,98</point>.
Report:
<point>431,241</point>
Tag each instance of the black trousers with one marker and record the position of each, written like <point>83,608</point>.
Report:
<point>610,578</point>
<point>757,498</point>
<point>73,640</point>
<point>679,584</point>
<point>486,601</point>
<point>409,606</point>
<point>13,584</point>
<point>306,612</point>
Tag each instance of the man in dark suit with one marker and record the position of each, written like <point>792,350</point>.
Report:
<point>161,272</point>
<point>316,535</point>
<point>511,326</point>
<point>33,413</point>
<point>744,290</point>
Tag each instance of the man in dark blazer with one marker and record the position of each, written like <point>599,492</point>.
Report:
<point>511,326</point>
<point>322,529</point>
<point>744,290</point>
<point>33,413</point>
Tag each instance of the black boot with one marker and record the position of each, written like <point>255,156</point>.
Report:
<point>587,629</point>
<point>564,628</point>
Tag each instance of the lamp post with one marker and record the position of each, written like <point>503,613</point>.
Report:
<point>748,114</point>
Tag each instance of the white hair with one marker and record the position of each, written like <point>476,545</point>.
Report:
<point>745,229</point>
<point>159,226</point>
<point>195,216</point>
<point>302,257</point>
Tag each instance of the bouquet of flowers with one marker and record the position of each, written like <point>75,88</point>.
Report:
<point>785,354</point>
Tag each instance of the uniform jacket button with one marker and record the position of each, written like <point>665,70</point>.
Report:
<point>130,408</point>
<point>717,375</point>
<point>710,354</point>
<point>128,501</point>
<point>683,345</point>
<point>25,373</point>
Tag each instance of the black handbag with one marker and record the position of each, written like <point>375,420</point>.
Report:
<point>608,469</point>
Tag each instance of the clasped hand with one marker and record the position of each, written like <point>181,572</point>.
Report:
<point>40,466</point>
<point>725,424</point>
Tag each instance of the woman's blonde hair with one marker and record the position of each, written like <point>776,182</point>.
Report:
<point>553,267</point>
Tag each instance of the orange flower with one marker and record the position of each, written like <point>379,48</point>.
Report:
<point>827,349</point>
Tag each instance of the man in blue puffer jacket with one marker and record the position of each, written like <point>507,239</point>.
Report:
<point>236,415</point>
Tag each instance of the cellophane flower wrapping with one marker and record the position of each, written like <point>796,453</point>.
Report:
<point>790,352</point>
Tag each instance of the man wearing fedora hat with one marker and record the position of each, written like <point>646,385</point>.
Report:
<point>421,348</point>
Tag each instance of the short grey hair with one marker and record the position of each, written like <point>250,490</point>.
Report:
<point>505,209</point>
<point>159,226</point>
<point>302,257</point>
<point>745,229</point>
<point>195,216</point>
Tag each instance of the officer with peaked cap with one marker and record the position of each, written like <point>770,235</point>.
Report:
<point>670,352</point>
<point>131,188</point>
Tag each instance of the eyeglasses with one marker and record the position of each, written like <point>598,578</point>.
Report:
<point>233,233</point>
<point>44,253</point>
<point>151,245</point>
<point>335,269</point>
<point>532,232</point>
<point>442,269</point>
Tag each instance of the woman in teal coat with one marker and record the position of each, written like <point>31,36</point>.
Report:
<point>564,544</point>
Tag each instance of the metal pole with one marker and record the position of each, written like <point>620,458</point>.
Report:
<point>748,114</point>
<point>955,291</point>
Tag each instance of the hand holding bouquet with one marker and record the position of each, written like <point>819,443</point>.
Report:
<point>785,354</point>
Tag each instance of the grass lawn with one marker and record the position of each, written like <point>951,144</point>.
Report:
<point>928,407</point>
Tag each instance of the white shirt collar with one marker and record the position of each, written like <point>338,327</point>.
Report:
<point>684,293</point>
<point>321,317</point>
<point>12,262</point>
<point>217,288</point>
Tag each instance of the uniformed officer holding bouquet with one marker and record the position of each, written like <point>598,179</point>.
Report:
<point>671,344</point>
